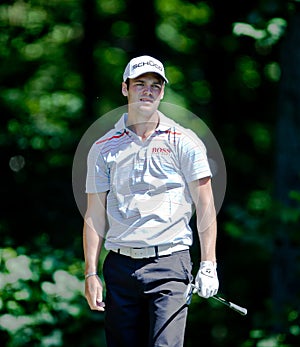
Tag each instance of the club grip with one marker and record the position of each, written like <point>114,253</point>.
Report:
<point>237,308</point>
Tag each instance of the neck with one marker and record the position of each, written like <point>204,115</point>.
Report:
<point>141,125</point>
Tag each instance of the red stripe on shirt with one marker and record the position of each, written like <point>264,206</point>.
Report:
<point>113,137</point>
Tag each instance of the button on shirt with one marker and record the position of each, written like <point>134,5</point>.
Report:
<point>148,201</point>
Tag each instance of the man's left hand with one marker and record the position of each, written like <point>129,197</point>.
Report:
<point>207,279</point>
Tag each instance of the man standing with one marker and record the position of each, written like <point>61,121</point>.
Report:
<point>144,176</point>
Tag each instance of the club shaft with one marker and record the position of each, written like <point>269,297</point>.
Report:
<point>235,307</point>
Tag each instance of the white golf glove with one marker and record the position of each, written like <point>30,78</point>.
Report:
<point>206,281</point>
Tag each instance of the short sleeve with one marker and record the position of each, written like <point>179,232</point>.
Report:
<point>193,157</point>
<point>97,179</point>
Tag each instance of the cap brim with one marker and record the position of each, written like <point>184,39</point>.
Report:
<point>135,75</point>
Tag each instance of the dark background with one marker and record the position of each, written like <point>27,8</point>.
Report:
<point>236,65</point>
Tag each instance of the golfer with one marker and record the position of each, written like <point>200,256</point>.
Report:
<point>145,178</point>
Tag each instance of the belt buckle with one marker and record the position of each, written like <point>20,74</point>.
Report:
<point>140,253</point>
<point>137,253</point>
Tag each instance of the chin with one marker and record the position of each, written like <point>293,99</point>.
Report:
<point>146,109</point>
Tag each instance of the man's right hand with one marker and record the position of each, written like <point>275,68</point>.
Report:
<point>94,293</point>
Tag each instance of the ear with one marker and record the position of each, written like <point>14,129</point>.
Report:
<point>162,92</point>
<point>124,89</point>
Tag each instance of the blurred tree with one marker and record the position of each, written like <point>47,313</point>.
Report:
<point>87,65</point>
<point>61,65</point>
<point>286,268</point>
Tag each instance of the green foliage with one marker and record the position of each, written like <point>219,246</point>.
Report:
<point>268,36</point>
<point>42,301</point>
<point>176,17</point>
<point>61,66</point>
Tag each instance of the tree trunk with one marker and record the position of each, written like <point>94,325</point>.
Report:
<point>86,54</point>
<point>285,283</point>
<point>142,15</point>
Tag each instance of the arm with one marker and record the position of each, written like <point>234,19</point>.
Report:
<point>93,236</point>
<point>202,196</point>
<point>206,280</point>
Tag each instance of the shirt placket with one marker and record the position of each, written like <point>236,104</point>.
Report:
<point>139,166</point>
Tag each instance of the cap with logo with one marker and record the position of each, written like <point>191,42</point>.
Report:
<point>143,64</point>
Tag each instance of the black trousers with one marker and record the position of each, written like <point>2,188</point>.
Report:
<point>145,300</point>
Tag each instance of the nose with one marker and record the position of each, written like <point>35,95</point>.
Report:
<point>148,90</point>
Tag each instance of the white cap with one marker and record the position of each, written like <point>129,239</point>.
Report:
<point>143,64</point>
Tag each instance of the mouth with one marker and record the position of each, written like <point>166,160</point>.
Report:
<point>146,100</point>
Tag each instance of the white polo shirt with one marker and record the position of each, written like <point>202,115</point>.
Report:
<point>148,201</point>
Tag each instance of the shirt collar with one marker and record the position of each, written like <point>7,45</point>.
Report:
<point>164,122</point>
<point>121,123</point>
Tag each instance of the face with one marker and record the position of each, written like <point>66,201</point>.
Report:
<point>145,91</point>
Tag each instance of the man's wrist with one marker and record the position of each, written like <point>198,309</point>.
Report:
<point>90,274</point>
<point>208,263</point>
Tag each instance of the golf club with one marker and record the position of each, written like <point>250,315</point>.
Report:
<point>193,289</point>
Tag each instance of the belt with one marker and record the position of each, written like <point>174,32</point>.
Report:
<point>149,252</point>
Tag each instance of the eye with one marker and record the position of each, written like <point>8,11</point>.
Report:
<point>156,86</point>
